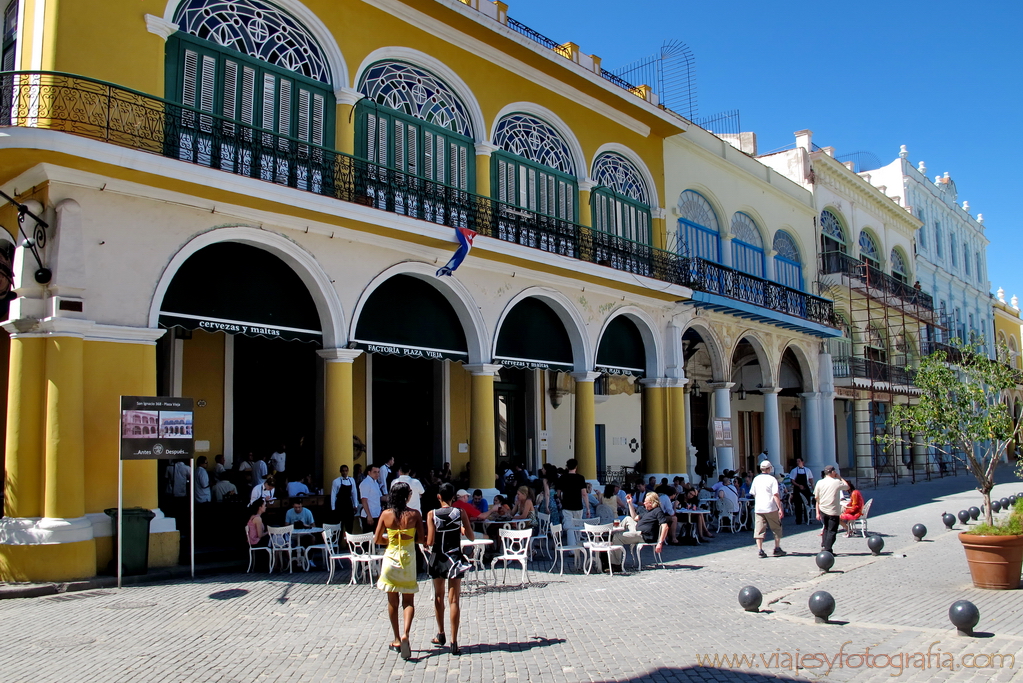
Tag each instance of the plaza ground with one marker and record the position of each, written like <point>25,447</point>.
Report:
<point>655,625</point>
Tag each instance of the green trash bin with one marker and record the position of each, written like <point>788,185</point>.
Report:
<point>135,536</point>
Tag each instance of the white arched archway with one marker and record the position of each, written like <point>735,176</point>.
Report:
<point>637,161</point>
<point>647,330</point>
<point>456,294</point>
<point>581,169</point>
<point>715,349</point>
<point>317,29</point>
<point>439,69</point>
<point>317,282</point>
<point>583,355</point>
<point>806,368</point>
<point>767,370</point>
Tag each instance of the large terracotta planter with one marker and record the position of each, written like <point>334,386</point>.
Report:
<point>995,561</point>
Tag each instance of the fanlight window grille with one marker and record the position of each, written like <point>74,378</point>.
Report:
<point>529,137</point>
<point>416,93</point>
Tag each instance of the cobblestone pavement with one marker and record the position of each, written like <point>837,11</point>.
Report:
<point>654,625</point>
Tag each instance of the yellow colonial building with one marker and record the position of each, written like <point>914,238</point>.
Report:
<point>249,203</point>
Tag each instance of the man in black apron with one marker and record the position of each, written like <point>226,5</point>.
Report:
<point>343,499</point>
<point>802,485</point>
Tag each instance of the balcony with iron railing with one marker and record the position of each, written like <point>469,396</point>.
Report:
<point>875,371</point>
<point>127,118</point>
<point>836,262</point>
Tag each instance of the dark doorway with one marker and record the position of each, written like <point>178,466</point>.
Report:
<point>511,416</point>
<point>601,435</point>
<point>275,399</point>
<point>699,407</point>
<point>405,406</point>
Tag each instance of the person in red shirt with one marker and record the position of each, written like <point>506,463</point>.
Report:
<point>462,503</point>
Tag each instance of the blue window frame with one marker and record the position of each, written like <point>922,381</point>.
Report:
<point>868,250</point>
<point>747,246</point>
<point>699,234</point>
<point>788,269</point>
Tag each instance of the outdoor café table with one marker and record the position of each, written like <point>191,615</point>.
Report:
<point>479,547</point>
<point>690,523</point>
<point>745,513</point>
<point>296,542</point>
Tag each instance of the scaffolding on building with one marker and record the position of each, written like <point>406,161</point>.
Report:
<point>891,324</point>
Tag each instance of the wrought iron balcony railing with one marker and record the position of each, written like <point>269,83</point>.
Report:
<point>870,369</point>
<point>127,118</point>
<point>837,262</point>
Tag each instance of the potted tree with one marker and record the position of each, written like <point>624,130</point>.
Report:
<point>962,413</point>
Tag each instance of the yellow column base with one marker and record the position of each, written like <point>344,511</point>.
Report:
<point>163,549</point>
<point>48,561</point>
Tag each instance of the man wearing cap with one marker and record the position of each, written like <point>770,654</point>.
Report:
<point>767,508</point>
<point>462,503</point>
<point>829,504</point>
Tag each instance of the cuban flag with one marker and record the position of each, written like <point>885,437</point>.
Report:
<point>465,237</point>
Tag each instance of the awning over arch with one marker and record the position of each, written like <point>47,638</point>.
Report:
<point>533,336</point>
<point>621,350</point>
<point>240,289</point>
<point>408,316</point>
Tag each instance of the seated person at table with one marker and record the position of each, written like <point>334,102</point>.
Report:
<point>479,502</point>
<point>853,510</point>
<point>223,488</point>
<point>692,502</point>
<point>265,491</point>
<point>607,509</point>
<point>728,499</point>
<point>296,487</point>
<point>651,526</point>
<point>299,515</point>
<point>523,508</point>
<point>499,510</point>
<point>257,533</point>
<point>747,482</point>
<point>591,496</point>
<point>667,501</point>
<point>462,503</point>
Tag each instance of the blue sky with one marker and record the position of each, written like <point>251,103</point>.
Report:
<point>945,79</point>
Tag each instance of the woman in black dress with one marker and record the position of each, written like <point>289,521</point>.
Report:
<point>444,529</point>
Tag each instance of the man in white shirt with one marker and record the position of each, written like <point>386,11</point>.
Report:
<point>767,508</point>
<point>369,498</point>
<point>219,470</point>
<point>414,500</point>
<point>343,511</point>
<point>385,473</point>
<point>264,491</point>
<point>829,504</point>
<point>279,459</point>
<point>259,471</point>
<point>802,484</point>
<point>202,480</point>
<point>182,475</point>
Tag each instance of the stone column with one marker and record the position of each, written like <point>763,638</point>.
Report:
<point>654,447</point>
<point>677,461</point>
<point>64,429</point>
<point>338,422</point>
<point>827,378</point>
<point>772,428</point>
<point>585,209</point>
<point>722,408</point>
<point>344,124</point>
<point>811,431</point>
<point>25,415</point>
<point>769,271</point>
<point>482,438</point>
<point>483,152</point>
<point>690,455</point>
<point>585,424</point>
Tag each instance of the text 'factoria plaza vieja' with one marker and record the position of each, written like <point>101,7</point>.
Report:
<point>255,204</point>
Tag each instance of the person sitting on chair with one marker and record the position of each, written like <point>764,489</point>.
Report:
<point>853,509</point>
<point>651,526</point>
<point>299,515</point>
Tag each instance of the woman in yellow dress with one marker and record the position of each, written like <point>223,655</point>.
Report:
<point>401,529</point>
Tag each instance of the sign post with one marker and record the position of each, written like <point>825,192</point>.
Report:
<point>154,428</point>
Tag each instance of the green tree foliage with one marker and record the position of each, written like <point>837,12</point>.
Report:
<point>962,411</point>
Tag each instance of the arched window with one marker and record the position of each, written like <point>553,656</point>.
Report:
<point>1013,353</point>
<point>868,250</point>
<point>261,71</point>
<point>899,269</point>
<point>533,168</point>
<point>411,121</point>
<point>747,245</point>
<point>699,234</point>
<point>832,233</point>
<point>788,269</point>
<point>876,347</point>
<point>621,204</point>
<point>938,240</point>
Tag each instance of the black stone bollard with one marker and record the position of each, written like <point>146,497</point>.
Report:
<point>825,561</point>
<point>964,615</point>
<point>964,516</point>
<point>949,520</point>
<point>974,513</point>
<point>919,531</point>
<point>1005,503</point>
<point>750,598</point>
<point>822,606</point>
<point>876,544</point>
<point>996,506</point>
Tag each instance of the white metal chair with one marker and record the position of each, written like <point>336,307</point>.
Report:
<point>637,551</point>
<point>280,543</point>
<point>361,547</point>
<point>322,547</point>
<point>560,549</point>
<point>331,538</point>
<point>727,511</point>
<point>860,524</point>
<point>543,529</point>
<point>515,548</point>
<point>598,540</point>
<point>254,549</point>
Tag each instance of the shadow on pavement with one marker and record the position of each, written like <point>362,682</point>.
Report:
<point>228,594</point>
